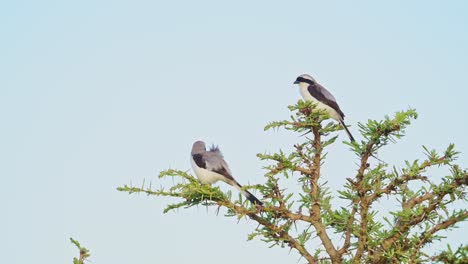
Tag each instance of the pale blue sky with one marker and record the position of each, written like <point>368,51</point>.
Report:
<point>95,94</point>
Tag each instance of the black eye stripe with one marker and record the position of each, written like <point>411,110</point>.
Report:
<point>300,79</point>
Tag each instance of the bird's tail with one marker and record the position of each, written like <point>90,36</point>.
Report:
<point>347,130</point>
<point>248,194</point>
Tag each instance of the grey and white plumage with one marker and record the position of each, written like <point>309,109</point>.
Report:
<point>210,167</point>
<point>313,91</point>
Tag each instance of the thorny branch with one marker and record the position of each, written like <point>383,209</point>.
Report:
<point>277,232</point>
<point>426,237</point>
<point>435,199</point>
<point>363,203</point>
<point>316,208</point>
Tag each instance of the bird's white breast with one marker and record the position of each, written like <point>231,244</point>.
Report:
<point>205,176</point>
<point>303,89</point>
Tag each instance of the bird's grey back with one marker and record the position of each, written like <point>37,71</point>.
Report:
<point>323,95</point>
<point>215,161</point>
<point>325,92</point>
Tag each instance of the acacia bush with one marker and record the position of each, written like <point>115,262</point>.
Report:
<point>362,232</point>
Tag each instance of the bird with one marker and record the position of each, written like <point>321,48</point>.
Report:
<point>311,90</point>
<point>210,167</point>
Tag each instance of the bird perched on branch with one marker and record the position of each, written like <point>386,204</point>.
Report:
<point>210,167</point>
<point>313,91</point>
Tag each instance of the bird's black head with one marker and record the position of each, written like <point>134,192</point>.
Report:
<point>304,78</point>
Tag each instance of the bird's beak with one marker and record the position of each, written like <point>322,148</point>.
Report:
<point>296,82</point>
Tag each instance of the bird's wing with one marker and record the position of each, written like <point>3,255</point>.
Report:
<point>323,95</point>
<point>214,161</point>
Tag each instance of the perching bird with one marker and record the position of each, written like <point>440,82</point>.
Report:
<point>210,167</point>
<point>313,91</point>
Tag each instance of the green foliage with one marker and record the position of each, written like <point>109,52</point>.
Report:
<point>460,256</point>
<point>84,253</point>
<point>369,234</point>
<point>191,190</point>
